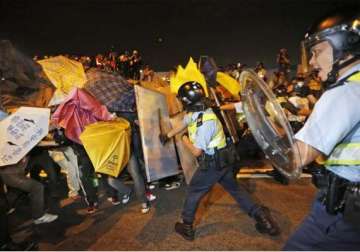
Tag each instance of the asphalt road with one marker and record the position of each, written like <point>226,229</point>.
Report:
<point>220,224</point>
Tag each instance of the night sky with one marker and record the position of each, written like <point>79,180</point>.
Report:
<point>243,31</point>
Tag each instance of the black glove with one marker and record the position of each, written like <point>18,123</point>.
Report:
<point>216,109</point>
<point>163,138</point>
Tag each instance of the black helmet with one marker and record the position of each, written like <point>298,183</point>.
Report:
<point>280,91</point>
<point>342,30</point>
<point>191,93</point>
<point>301,90</point>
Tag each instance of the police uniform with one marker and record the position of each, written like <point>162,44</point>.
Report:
<point>334,129</point>
<point>208,135</point>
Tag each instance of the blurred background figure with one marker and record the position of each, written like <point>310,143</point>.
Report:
<point>283,61</point>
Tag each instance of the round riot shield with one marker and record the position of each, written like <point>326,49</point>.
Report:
<point>269,125</point>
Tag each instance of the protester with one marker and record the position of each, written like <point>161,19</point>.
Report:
<point>283,61</point>
<point>147,73</point>
<point>124,65</point>
<point>65,157</point>
<point>135,65</point>
<point>315,86</point>
<point>134,167</point>
<point>88,177</point>
<point>261,70</point>
<point>39,160</point>
<point>14,176</point>
<point>6,243</point>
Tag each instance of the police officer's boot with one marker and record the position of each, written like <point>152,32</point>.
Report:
<point>265,224</point>
<point>185,230</point>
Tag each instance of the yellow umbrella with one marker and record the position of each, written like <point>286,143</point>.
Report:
<point>108,145</point>
<point>192,73</point>
<point>229,83</point>
<point>65,74</point>
<point>189,73</point>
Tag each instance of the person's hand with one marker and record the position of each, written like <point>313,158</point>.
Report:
<point>185,137</point>
<point>163,138</point>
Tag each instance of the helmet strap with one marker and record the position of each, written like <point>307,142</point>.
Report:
<point>334,73</point>
<point>199,106</point>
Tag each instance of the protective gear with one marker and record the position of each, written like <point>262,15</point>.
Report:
<point>192,96</point>
<point>280,91</point>
<point>163,139</point>
<point>185,230</point>
<point>342,30</point>
<point>341,196</point>
<point>265,223</point>
<point>219,140</point>
<point>352,205</point>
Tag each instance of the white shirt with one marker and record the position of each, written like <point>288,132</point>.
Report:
<point>335,119</point>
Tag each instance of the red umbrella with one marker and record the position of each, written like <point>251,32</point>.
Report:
<point>77,111</point>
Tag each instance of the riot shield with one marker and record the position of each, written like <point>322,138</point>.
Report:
<point>269,125</point>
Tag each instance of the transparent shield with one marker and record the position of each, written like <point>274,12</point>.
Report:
<point>269,124</point>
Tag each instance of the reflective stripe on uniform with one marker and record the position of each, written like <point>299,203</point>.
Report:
<point>355,78</point>
<point>345,154</point>
<point>344,160</point>
<point>218,141</point>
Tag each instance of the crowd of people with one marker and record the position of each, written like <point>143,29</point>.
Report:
<point>82,181</point>
<point>332,223</point>
<point>130,66</point>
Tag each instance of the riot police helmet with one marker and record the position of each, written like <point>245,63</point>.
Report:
<point>341,29</point>
<point>191,94</point>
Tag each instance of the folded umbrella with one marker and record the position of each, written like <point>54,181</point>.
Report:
<point>77,111</point>
<point>112,153</point>
<point>229,83</point>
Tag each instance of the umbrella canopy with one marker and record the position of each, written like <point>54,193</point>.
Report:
<point>23,83</point>
<point>115,92</point>
<point>190,73</point>
<point>21,131</point>
<point>112,153</point>
<point>229,83</point>
<point>77,111</point>
<point>65,74</point>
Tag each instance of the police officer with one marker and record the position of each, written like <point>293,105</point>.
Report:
<point>333,129</point>
<point>206,140</point>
